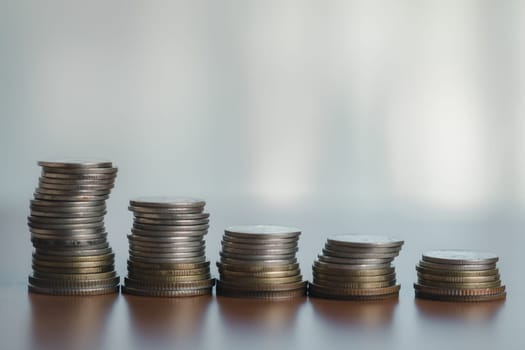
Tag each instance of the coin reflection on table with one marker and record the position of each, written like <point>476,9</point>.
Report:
<point>377,313</point>
<point>271,314</point>
<point>69,322</point>
<point>450,311</point>
<point>167,317</point>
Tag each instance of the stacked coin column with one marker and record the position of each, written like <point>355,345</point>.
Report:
<point>71,254</point>
<point>459,275</point>
<point>167,248</point>
<point>356,267</point>
<point>259,262</point>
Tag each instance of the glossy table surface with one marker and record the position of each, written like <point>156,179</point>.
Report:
<point>30,321</point>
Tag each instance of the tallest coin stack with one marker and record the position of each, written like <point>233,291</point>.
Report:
<point>72,255</point>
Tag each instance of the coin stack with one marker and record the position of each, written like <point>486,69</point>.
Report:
<point>459,275</point>
<point>356,267</point>
<point>258,261</point>
<point>72,255</point>
<point>167,248</point>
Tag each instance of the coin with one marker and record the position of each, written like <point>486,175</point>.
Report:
<point>258,267</point>
<point>457,267</point>
<point>76,163</point>
<point>167,222</point>
<point>262,231</point>
<point>463,298</point>
<point>356,261</point>
<point>364,241</point>
<point>457,273</point>
<point>167,202</point>
<point>171,216</point>
<point>457,256</point>
<point>166,293</point>
<point>73,292</point>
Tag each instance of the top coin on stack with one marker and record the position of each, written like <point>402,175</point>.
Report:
<point>356,267</point>
<point>459,275</point>
<point>258,261</point>
<point>167,248</point>
<point>72,255</point>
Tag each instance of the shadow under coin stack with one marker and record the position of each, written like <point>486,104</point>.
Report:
<point>72,255</point>
<point>459,275</point>
<point>258,261</point>
<point>356,267</point>
<point>167,249</point>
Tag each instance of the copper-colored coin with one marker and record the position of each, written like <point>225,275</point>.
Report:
<point>457,291</point>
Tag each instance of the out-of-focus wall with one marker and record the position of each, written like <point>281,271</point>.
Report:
<point>378,104</point>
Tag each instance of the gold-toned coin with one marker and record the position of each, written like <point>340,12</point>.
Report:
<point>352,285</point>
<point>457,291</point>
<point>73,292</point>
<point>459,285</point>
<point>166,293</point>
<point>358,279</point>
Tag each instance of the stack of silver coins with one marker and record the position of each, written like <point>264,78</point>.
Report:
<point>356,267</point>
<point>167,248</point>
<point>258,261</point>
<point>72,255</point>
<point>459,275</point>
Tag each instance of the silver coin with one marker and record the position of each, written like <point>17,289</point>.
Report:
<point>68,232</point>
<point>74,252</point>
<point>261,258</point>
<point>156,255</point>
<point>335,266</point>
<point>68,242</point>
<point>157,245</point>
<point>73,198</point>
<point>339,254</point>
<point>167,202</point>
<point>457,267</point>
<point>66,226</point>
<point>41,190</point>
<point>76,181</point>
<point>75,187</point>
<point>233,261</point>
<point>172,216</point>
<point>56,205</point>
<point>235,245</point>
<point>170,228</point>
<point>350,261</point>
<point>192,260</point>
<point>166,234</point>
<point>65,215</point>
<point>62,220</point>
<point>167,239</point>
<point>158,210</point>
<point>165,251</point>
<point>164,222</point>
<point>81,171</point>
<point>259,241</point>
<point>76,163</point>
<point>364,241</point>
<point>457,256</point>
<point>367,250</point>
<point>257,251</point>
<point>262,231</point>
<point>79,176</point>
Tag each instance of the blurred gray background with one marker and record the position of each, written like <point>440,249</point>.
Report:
<point>396,117</point>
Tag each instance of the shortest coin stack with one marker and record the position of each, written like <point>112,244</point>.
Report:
<point>459,275</point>
<point>356,267</point>
<point>167,248</point>
<point>259,262</point>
